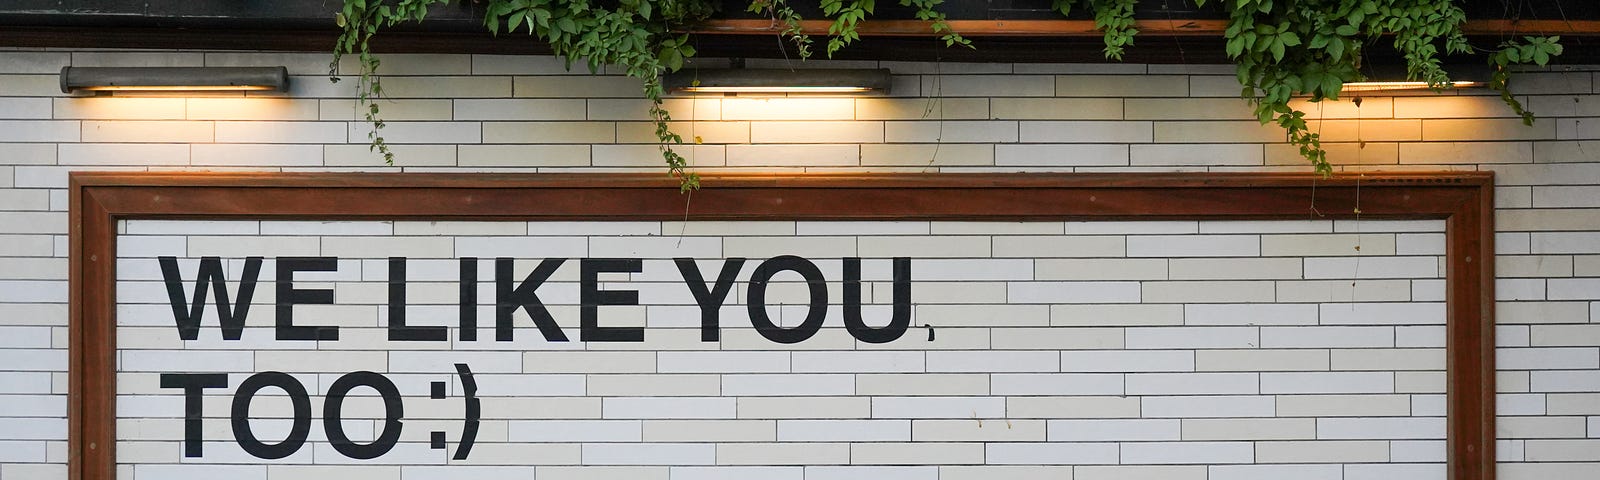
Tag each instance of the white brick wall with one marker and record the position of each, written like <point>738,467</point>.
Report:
<point>1085,324</point>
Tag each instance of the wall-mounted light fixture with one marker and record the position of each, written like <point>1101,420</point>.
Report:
<point>1386,78</point>
<point>774,80</point>
<point>174,79</point>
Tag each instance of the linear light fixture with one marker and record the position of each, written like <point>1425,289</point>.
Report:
<point>173,79</point>
<point>1387,78</point>
<point>774,80</point>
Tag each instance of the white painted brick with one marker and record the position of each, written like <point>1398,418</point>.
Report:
<point>1249,429</point>
<point>1191,337</point>
<point>992,361</point>
<point>737,473</point>
<point>1113,430</point>
<point>1207,291</point>
<point>938,407</point>
<point>1124,314</point>
<point>1327,245</point>
<point>1188,452</point>
<point>256,155</point>
<point>1547,358</point>
<point>1061,154</point>
<point>1124,361</point>
<point>791,155</point>
<point>1057,108</point>
<point>858,362</point>
<point>967,430</point>
<point>1086,453</point>
<point>1085,131</point>
<point>1382,313</point>
<point>1234,268</point>
<point>1250,314</point>
<point>649,454</point>
<point>1073,292</point>
<point>924,155</point>
<point>1192,383</point>
<point>668,408</point>
<point>1327,382</point>
<point>781,454</point>
<point>1058,246</point>
<point>1253,360</point>
<point>1380,428</point>
<point>1057,384</point>
<point>1327,337</point>
<point>1018,472</point>
<point>872,473</point>
<point>804,408</point>
<point>575,431</point>
<point>1388,359</point>
<point>1272,472</point>
<point>1082,407</point>
<point>844,430</point>
<point>952,131</point>
<point>783,385</point>
<point>1322,451</point>
<point>39,131</point>
<point>818,132</point>
<point>588,362</point>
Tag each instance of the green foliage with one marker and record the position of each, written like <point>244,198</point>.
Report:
<point>1290,48</point>
<point>1535,50</point>
<point>1284,49</point>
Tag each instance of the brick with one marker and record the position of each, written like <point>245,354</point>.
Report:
<point>1327,245</point>
<point>1261,360</point>
<point>707,132</point>
<point>1370,107</point>
<point>990,85</point>
<point>1056,108</point>
<point>1382,313</point>
<point>1540,427</point>
<point>1086,131</point>
<point>39,131</point>
<point>1100,269</point>
<point>420,132</point>
<point>927,155</point>
<point>1322,451</point>
<point>1369,153</point>
<point>1485,129</point>
<point>1188,452</point>
<point>1080,292</point>
<point>953,131</point>
<point>31,85</point>
<point>1190,337</point>
<point>404,155</point>
<point>590,472</point>
<point>844,430</point>
<point>297,63</point>
<point>1197,154</point>
<point>992,361</point>
<point>1061,155</point>
<point>1113,430</point>
<point>391,110</point>
<point>575,431</point>
<point>1017,472</point>
<point>123,154</point>
<point>817,132</point>
<point>522,64</point>
<point>255,155</point>
<point>1547,358</point>
<point>257,109</point>
<point>1082,407</point>
<point>1125,361</point>
<point>737,473</point>
<point>1388,359</point>
<point>549,132</point>
<point>589,362</point>
<point>805,408</point>
<point>779,108</point>
<point>1326,337</point>
<point>1188,109</point>
<point>781,454</point>
<point>1218,131</point>
<point>792,155</point>
<point>636,109</point>
<point>971,430</point>
<point>723,362</point>
<point>34,62</point>
<point>1569,151</point>
<point>1250,314</point>
<point>1064,453</point>
<point>649,454</point>
<point>1207,292</point>
<point>449,87</point>
<point>1249,429</point>
<point>649,155</point>
<point>1121,85</point>
<point>1440,153</point>
<point>523,155</point>
<point>1540,83</point>
<point>114,108</point>
<point>1380,428</point>
<point>576,86</point>
<point>668,408</point>
<point>1269,472</point>
<point>1191,383</point>
<point>872,473</point>
<point>303,132</point>
<point>923,109</point>
<point>1565,197</point>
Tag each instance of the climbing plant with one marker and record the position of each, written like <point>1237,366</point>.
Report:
<point>1284,49</point>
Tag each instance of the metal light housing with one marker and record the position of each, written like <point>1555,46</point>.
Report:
<point>777,81</point>
<point>1388,78</point>
<point>174,79</point>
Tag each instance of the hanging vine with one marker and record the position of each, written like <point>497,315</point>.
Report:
<point>1284,49</point>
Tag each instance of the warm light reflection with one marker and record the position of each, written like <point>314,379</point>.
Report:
<point>705,89</point>
<point>1390,86</point>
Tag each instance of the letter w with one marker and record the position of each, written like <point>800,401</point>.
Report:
<point>210,272</point>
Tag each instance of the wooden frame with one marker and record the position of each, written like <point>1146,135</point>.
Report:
<point>1463,199</point>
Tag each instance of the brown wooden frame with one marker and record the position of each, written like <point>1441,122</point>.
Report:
<point>1463,199</point>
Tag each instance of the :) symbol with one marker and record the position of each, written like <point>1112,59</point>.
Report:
<point>469,425</point>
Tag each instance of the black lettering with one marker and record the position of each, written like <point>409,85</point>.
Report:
<point>333,415</point>
<point>592,297</point>
<point>193,384</point>
<point>758,299</point>
<point>210,273</point>
<point>469,299</point>
<point>241,415</point>
<point>508,299</point>
<point>902,303</point>
<point>710,300</point>
<point>288,297</point>
<point>398,330</point>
